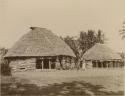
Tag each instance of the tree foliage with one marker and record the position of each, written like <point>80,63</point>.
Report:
<point>73,44</point>
<point>84,42</point>
<point>122,31</point>
<point>5,69</point>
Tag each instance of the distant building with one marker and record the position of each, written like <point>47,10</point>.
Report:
<point>40,49</point>
<point>101,56</point>
<point>3,51</point>
<point>123,58</point>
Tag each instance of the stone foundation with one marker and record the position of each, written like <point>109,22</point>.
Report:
<point>23,64</point>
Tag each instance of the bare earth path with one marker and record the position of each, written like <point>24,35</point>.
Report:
<point>91,82</point>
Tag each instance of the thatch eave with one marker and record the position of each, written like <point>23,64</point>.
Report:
<point>101,52</point>
<point>39,42</point>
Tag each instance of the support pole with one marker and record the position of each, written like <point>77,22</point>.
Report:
<point>63,63</point>
<point>42,63</point>
<point>115,63</point>
<point>106,64</point>
<point>72,63</point>
<point>118,64</point>
<point>97,64</point>
<point>101,64</point>
<point>49,64</point>
<point>111,64</point>
<point>57,63</point>
<point>94,64</point>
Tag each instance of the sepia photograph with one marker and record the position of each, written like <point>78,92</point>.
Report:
<point>62,47</point>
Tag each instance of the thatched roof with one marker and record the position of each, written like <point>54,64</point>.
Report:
<point>40,42</point>
<point>100,52</point>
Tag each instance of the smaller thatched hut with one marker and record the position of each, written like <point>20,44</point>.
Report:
<point>101,56</point>
<point>40,49</point>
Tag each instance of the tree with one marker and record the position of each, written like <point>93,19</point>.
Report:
<point>85,41</point>
<point>3,51</point>
<point>100,37</point>
<point>5,68</point>
<point>73,44</point>
<point>88,39</point>
<point>122,31</point>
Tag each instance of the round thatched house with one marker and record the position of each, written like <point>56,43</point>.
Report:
<point>101,56</point>
<point>40,49</point>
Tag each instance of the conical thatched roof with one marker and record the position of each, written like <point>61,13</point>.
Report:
<point>100,52</point>
<point>39,42</point>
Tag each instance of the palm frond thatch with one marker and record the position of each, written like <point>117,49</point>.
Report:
<point>40,42</point>
<point>100,52</point>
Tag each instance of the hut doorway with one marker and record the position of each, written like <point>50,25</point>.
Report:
<point>99,64</point>
<point>45,63</point>
<point>38,64</point>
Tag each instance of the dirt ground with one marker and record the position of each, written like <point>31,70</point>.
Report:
<point>90,82</point>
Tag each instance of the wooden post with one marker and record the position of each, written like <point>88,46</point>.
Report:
<point>68,63</point>
<point>100,64</point>
<point>49,63</point>
<point>42,64</point>
<point>63,63</point>
<point>57,63</point>
<point>72,63</point>
<point>111,64</point>
<point>94,64</point>
<point>118,65</point>
<point>97,64</point>
<point>106,64</point>
<point>115,64</point>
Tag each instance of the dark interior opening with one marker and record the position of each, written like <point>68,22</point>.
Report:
<point>93,64</point>
<point>113,63</point>
<point>22,68</point>
<point>104,64</point>
<point>80,64</point>
<point>38,64</point>
<point>99,64</point>
<point>53,64</point>
<point>46,64</point>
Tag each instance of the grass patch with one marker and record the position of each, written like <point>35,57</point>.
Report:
<point>68,83</point>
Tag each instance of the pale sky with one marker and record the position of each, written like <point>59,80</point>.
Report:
<point>63,17</point>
